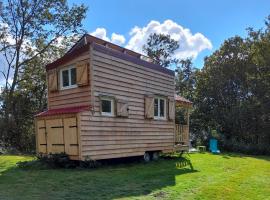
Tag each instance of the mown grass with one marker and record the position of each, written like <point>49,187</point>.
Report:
<point>225,176</point>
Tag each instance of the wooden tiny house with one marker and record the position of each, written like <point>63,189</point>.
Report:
<point>105,101</point>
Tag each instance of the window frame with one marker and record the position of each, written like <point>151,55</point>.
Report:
<point>68,68</point>
<point>108,114</point>
<point>158,117</point>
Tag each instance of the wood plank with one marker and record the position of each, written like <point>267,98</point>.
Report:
<point>126,137</point>
<point>71,136</point>
<point>71,96</point>
<point>116,151</point>
<point>79,133</point>
<point>108,73</point>
<point>65,104</point>
<point>55,135</point>
<point>75,99</point>
<point>117,85</point>
<point>125,146</point>
<point>126,129</point>
<point>70,91</point>
<point>87,143</point>
<point>104,119</point>
<point>113,70</point>
<point>42,149</point>
<point>92,69</point>
<point>58,148</point>
<point>107,156</point>
<point>136,133</point>
<point>124,125</point>
<point>110,59</point>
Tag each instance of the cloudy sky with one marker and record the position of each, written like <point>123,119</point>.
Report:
<point>200,27</point>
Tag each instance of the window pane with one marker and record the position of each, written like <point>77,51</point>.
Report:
<point>106,106</point>
<point>65,78</point>
<point>156,108</point>
<point>162,106</point>
<point>73,76</point>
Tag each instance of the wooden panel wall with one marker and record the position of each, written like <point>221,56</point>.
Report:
<point>70,97</point>
<point>110,137</point>
<point>58,134</point>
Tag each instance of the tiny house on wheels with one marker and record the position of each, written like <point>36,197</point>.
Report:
<point>105,101</point>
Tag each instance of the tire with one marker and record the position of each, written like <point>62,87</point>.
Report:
<point>155,156</point>
<point>146,157</point>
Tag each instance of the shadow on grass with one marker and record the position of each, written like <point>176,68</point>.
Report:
<point>120,178</point>
<point>115,179</point>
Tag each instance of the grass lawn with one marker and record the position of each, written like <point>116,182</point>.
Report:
<point>225,176</point>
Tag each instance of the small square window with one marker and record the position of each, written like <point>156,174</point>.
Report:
<point>107,107</point>
<point>68,77</point>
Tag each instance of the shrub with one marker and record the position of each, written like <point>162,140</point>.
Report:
<point>54,161</point>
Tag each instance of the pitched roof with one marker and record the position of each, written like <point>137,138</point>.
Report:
<point>108,48</point>
<point>180,99</point>
<point>61,111</point>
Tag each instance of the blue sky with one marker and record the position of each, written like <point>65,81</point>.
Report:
<point>215,20</point>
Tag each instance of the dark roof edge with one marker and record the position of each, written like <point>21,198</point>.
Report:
<point>68,57</point>
<point>132,59</point>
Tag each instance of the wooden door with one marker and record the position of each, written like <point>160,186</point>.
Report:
<point>41,137</point>
<point>55,136</point>
<point>58,136</point>
<point>71,136</point>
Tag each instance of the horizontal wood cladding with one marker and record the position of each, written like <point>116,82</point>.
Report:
<point>118,153</point>
<point>111,137</point>
<point>71,97</point>
<point>139,68</point>
<point>125,146</point>
<point>103,143</point>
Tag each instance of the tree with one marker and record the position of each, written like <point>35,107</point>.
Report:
<point>186,79</point>
<point>30,34</point>
<point>161,49</point>
<point>232,92</point>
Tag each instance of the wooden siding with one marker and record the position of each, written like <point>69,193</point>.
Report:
<point>70,97</point>
<point>110,137</point>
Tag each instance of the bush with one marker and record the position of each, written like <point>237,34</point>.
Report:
<point>246,148</point>
<point>54,161</point>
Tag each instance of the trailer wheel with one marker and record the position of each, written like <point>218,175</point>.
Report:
<point>155,155</point>
<point>146,157</point>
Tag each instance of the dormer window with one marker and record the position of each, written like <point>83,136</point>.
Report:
<point>68,77</point>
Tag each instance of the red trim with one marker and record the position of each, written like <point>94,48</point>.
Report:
<point>178,98</point>
<point>61,111</point>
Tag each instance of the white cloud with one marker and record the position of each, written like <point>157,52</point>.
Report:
<point>190,45</point>
<point>100,33</point>
<point>118,39</point>
<point>115,38</point>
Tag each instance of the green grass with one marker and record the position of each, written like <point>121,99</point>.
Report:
<point>225,176</point>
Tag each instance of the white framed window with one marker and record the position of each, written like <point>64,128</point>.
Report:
<point>68,77</point>
<point>159,108</point>
<point>107,106</point>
